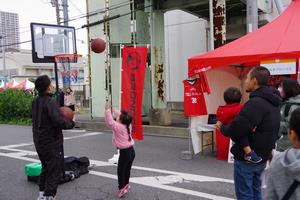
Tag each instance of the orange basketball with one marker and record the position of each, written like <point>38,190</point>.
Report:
<point>67,113</point>
<point>98,45</point>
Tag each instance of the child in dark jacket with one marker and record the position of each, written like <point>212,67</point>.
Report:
<point>226,114</point>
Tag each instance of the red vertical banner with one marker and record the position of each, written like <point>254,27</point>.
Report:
<point>133,73</point>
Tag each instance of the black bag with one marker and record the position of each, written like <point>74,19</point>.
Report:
<point>74,167</point>
<point>69,176</point>
<point>291,190</point>
<point>78,165</point>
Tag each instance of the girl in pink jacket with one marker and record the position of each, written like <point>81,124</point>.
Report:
<point>123,140</point>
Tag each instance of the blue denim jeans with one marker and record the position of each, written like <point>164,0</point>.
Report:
<point>247,180</point>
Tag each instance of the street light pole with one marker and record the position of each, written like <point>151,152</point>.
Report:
<point>3,59</point>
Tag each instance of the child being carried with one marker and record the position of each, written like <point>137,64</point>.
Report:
<point>226,114</point>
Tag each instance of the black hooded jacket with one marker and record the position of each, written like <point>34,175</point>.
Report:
<point>261,114</point>
<point>48,122</point>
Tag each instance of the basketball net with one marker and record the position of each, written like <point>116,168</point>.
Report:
<point>68,69</point>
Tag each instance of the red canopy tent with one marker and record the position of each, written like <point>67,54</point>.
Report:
<point>280,39</point>
<point>25,85</point>
<point>12,84</point>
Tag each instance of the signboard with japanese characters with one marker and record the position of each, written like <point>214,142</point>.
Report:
<point>280,67</point>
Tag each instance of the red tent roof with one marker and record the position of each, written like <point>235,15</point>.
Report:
<point>277,40</point>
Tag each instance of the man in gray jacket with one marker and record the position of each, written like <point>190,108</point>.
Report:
<point>285,166</point>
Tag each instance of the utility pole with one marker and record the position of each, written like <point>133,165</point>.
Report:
<point>108,85</point>
<point>65,11</point>
<point>219,18</point>
<point>252,16</point>
<point>66,23</point>
<point>55,4</point>
<point>3,59</point>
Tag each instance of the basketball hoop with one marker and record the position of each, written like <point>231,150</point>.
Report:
<point>67,58</point>
<point>68,66</point>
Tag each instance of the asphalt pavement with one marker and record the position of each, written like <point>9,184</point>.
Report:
<point>158,173</point>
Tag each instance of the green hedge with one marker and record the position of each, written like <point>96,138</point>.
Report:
<point>15,107</point>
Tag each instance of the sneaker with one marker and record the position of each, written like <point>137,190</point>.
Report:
<point>121,192</point>
<point>114,159</point>
<point>252,157</point>
<point>127,187</point>
<point>41,196</point>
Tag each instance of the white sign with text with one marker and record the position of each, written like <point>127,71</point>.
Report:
<point>280,67</point>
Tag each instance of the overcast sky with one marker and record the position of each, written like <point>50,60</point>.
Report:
<point>42,11</point>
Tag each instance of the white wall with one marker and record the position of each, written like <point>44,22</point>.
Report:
<point>185,36</point>
<point>97,63</point>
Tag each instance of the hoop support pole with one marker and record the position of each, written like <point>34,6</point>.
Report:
<point>56,82</point>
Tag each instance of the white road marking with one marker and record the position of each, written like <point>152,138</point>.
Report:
<point>152,182</point>
<point>19,157</point>
<point>16,145</point>
<point>74,131</point>
<point>84,135</point>
<point>98,163</point>
<point>186,176</point>
<point>65,138</point>
<point>159,182</point>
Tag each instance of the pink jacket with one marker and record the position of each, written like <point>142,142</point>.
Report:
<point>120,137</point>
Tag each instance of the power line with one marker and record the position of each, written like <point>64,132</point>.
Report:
<point>89,14</point>
<point>182,23</point>
<point>102,10</point>
<point>92,13</point>
<point>111,18</point>
<point>76,7</point>
<point>12,44</point>
<point>95,23</point>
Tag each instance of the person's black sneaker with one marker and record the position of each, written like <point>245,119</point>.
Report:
<point>252,157</point>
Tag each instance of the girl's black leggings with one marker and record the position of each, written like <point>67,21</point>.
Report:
<point>124,166</point>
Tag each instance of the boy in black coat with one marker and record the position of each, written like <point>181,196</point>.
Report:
<point>47,125</point>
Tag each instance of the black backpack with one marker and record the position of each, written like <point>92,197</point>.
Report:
<point>78,165</point>
<point>74,167</point>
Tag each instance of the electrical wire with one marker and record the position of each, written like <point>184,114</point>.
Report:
<point>89,14</point>
<point>75,6</point>
<point>188,22</point>
<point>99,22</point>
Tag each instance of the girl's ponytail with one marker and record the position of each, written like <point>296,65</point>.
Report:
<point>126,119</point>
<point>128,130</point>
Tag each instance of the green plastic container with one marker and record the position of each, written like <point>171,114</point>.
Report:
<point>33,169</point>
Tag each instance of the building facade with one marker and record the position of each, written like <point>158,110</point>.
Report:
<point>19,66</point>
<point>9,30</point>
<point>175,31</point>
